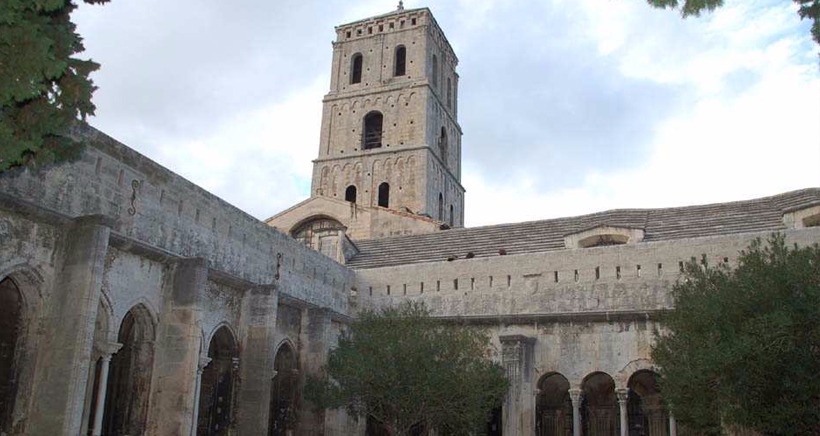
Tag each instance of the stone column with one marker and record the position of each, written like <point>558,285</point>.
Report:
<point>622,395</point>
<point>203,362</point>
<point>519,404</point>
<point>575,397</point>
<point>255,372</point>
<point>315,335</point>
<point>102,386</point>
<point>62,373</point>
<point>673,426</point>
<point>177,349</point>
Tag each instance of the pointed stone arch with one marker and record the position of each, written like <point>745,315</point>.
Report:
<point>20,309</point>
<point>284,397</point>
<point>218,382</point>
<point>129,381</point>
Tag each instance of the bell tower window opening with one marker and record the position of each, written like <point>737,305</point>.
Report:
<point>435,72</point>
<point>442,146</point>
<point>356,68</point>
<point>452,216</point>
<point>449,93</point>
<point>372,132</point>
<point>350,194</point>
<point>384,195</point>
<point>440,207</point>
<point>400,67</point>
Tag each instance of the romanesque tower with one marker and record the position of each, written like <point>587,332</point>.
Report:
<point>390,136</point>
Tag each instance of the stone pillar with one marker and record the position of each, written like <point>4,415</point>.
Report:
<point>622,395</point>
<point>177,350</point>
<point>62,372</point>
<point>673,426</point>
<point>203,362</point>
<point>258,352</point>
<point>102,386</point>
<point>315,335</point>
<point>575,397</point>
<point>519,404</point>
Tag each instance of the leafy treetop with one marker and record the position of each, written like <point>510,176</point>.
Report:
<point>404,369</point>
<point>741,348</point>
<point>43,87</point>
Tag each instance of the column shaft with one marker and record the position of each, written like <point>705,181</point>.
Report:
<point>575,396</point>
<point>102,388</point>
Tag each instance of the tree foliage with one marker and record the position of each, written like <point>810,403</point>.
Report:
<point>805,8</point>
<point>742,347</point>
<point>43,87</point>
<point>405,369</point>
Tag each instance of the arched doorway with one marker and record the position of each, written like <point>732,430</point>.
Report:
<point>284,398</point>
<point>129,381</point>
<point>553,406</point>
<point>217,385</point>
<point>11,310</point>
<point>599,407</point>
<point>647,415</point>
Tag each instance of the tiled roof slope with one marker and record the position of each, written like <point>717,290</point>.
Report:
<point>758,215</point>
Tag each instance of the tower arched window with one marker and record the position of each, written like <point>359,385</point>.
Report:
<point>442,145</point>
<point>350,193</point>
<point>449,93</point>
<point>435,72</point>
<point>452,216</point>
<point>400,67</point>
<point>384,195</point>
<point>372,132</point>
<point>356,68</point>
<point>440,207</point>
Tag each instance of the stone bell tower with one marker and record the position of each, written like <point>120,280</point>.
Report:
<point>390,136</point>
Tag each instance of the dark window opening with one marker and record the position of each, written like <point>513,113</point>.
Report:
<point>440,207</point>
<point>449,93</point>
<point>284,393</point>
<point>356,69</point>
<point>400,68</point>
<point>129,377</point>
<point>384,195</point>
<point>435,71</point>
<point>452,216</point>
<point>350,194</point>
<point>217,387</point>
<point>372,132</point>
<point>10,318</point>
<point>442,146</point>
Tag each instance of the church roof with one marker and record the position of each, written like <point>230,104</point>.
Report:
<point>749,216</point>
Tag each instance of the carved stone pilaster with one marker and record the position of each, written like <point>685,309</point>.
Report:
<point>519,406</point>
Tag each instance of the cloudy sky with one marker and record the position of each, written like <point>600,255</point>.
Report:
<point>567,106</point>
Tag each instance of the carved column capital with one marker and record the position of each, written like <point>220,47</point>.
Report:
<point>203,362</point>
<point>575,396</point>
<point>107,349</point>
<point>622,394</point>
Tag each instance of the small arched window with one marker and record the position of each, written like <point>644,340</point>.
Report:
<point>384,195</point>
<point>350,194</point>
<point>435,71</point>
<point>449,93</point>
<point>452,216</point>
<point>442,145</point>
<point>440,207</point>
<point>356,68</point>
<point>400,67</point>
<point>372,132</point>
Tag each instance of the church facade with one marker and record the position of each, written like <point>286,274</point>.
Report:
<point>134,302</point>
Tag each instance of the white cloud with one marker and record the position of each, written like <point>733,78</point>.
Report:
<point>231,99</point>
